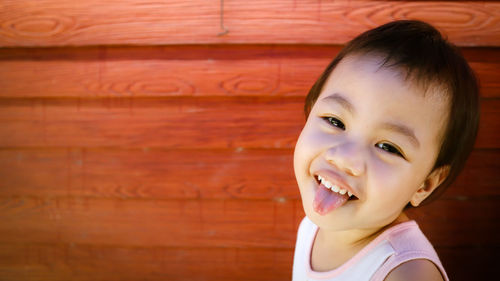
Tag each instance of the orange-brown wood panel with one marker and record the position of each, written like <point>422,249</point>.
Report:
<point>470,263</point>
<point>459,222</point>
<point>185,71</point>
<point>187,174</point>
<point>218,122</point>
<point>259,122</point>
<point>96,262</point>
<point>149,223</point>
<point>144,145</point>
<point>212,223</point>
<point>29,261</point>
<point>134,22</point>
<point>63,262</point>
<point>149,173</point>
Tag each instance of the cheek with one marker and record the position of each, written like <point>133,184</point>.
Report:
<point>307,148</point>
<point>300,154</point>
<point>391,182</point>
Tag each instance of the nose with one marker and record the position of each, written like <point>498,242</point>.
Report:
<point>347,157</point>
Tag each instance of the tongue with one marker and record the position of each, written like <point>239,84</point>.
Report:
<point>326,200</point>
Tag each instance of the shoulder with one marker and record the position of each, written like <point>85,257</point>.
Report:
<point>415,270</point>
<point>306,226</point>
<point>306,229</point>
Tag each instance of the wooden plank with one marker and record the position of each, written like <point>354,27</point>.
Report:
<point>83,262</point>
<point>184,71</point>
<point>174,123</point>
<point>157,78</point>
<point>487,74</point>
<point>489,114</point>
<point>133,22</point>
<point>97,262</point>
<point>149,174</point>
<point>479,179</point>
<point>187,174</point>
<point>453,223</point>
<point>212,223</point>
<point>222,122</point>
<point>486,64</point>
<point>148,223</point>
<point>470,263</point>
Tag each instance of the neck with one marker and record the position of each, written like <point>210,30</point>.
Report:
<point>354,239</point>
<point>331,249</point>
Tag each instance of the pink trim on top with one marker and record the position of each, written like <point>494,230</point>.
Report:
<point>356,257</point>
<point>395,260</point>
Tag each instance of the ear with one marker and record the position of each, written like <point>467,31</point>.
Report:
<point>433,180</point>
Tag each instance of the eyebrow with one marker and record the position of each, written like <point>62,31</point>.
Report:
<point>395,127</point>
<point>403,130</point>
<point>338,98</point>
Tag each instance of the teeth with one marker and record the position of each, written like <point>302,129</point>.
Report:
<point>333,187</point>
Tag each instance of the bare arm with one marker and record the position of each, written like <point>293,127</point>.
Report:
<point>415,270</point>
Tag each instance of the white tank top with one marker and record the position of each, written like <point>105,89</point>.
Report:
<point>392,247</point>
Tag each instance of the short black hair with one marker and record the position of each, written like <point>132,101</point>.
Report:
<point>428,59</point>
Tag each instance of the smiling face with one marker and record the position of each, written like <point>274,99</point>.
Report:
<point>372,134</point>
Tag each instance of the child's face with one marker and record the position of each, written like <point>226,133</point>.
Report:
<point>372,133</point>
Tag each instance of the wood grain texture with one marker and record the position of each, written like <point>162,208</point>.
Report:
<point>161,72</point>
<point>215,122</point>
<point>150,173</point>
<point>97,262</point>
<point>468,263</point>
<point>212,223</point>
<point>134,22</point>
<point>216,223</point>
<point>28,261</point>
<point>150,223</point>
<point>458,223</point>
<point>139,143</point>
<point>119,174</point>
<point>175,123</point>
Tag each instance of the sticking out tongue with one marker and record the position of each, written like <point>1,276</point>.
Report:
<point>326,200</point>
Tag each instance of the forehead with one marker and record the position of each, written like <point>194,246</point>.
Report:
<point>369,70</point>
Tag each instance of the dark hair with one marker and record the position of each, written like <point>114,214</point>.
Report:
<point>428,59</point>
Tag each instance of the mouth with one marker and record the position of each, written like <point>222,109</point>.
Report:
<point>334,188</point>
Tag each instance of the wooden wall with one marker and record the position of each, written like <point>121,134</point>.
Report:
<point>145,141</point>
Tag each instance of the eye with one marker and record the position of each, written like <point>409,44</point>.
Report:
<point>334,122</point>
<point>389,148</point>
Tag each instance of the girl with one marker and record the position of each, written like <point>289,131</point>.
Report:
<point>390,123</point>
